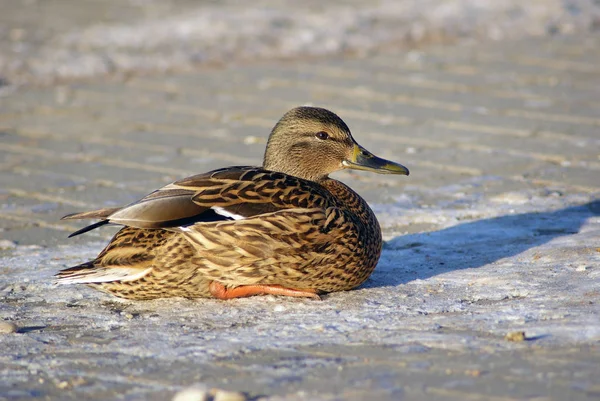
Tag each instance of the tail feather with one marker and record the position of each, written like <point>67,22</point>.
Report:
<point>89,273</point>
<point>88,228</point>
<point>94,214</point>
<point>102,214</point>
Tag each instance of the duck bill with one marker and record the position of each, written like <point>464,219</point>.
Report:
<point>362,159</point>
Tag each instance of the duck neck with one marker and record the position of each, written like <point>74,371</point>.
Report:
<point>352,202</point>
<point>293,168</point>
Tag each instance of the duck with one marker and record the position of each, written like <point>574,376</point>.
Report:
<point>284,229</point>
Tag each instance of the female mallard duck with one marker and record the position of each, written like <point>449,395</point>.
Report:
<point>285,228</point>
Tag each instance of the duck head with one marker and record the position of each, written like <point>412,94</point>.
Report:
<point>312,142</point>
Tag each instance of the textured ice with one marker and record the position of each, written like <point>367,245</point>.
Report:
<point>225,32</point>
<point>487,270</point>
<point>542,254</point>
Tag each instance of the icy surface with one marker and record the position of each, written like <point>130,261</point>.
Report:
<point>496,267</point>
<point>108,38</point>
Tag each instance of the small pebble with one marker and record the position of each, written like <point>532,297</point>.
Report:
<point>222,395</point>
<point>8,327</point>
<point>473,372</point>
<point>62,385</point>
<point>197,392</point>
<point>515,336</point>
<point>7,244</point>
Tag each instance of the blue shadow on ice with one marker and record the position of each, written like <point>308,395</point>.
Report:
<point>474,244</point>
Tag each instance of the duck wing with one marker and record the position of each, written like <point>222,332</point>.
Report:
<point>232,193</point>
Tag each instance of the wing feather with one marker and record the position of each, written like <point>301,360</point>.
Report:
<point>224,194</point>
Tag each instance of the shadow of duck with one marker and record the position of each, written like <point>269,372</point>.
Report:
<point>474,244</point>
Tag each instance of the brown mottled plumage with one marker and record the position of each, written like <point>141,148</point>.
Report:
<point>285,228</point>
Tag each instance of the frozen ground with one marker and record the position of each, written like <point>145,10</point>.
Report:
<point>523,261</point>
<point>41,41</point>
<point>495,232</point>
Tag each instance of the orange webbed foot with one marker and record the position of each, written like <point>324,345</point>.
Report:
<point>219,291</point>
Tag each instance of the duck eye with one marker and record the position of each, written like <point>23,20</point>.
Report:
<point>322,135</point>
